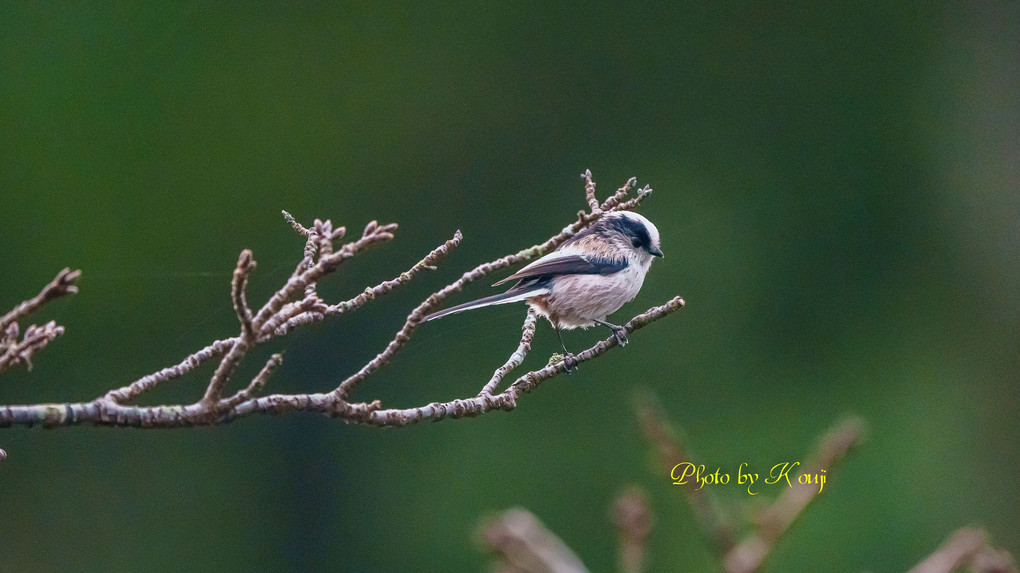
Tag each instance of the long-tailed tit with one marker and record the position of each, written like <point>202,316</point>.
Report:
<point>588,277</point>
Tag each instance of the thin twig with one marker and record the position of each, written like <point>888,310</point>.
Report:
<point>614,200</point>
<point>229,363</point>
<point>411,323</point>
<point>527,334</point>
<point>634,202</point>
<point>129,392</point>
<point>256,384</point>
<point>374,233</point>
<point>245,264</point>
<point>589,192</point>
<point>104,411</point>
<point>428,263</point>
<point>297,303</point>
<point>298,227</point>
<point>35,339</point>
<point>506,400</point>
<point>61,285</point>
<point>223,373</point>
<point>13,351</point>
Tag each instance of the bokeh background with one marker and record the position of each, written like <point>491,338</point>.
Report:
<point>837,190</point>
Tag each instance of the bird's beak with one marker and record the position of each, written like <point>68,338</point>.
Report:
<point>655,251</point>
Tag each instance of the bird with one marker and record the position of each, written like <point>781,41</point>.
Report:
<point>588,277</point>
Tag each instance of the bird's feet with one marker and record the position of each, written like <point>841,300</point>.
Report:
<point>570,363</point>
<point>619,332</point>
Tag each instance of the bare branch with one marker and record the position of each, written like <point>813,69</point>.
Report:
<point>245,264</point>
<point>13,351</point>
<point>632,203</point>
<point>589,192</point>
<point>104,411</point>
<point>324,265</point>
<point>61,285</point>
<point>288,318</point>
<point>613,201</point>
<point>223,373</point>
<point>257,383</point>
<point>36,338</point>
<point>527,333</point>
<point>150,381</point>
<point>297,303</point>
<point>410,325</point>
<point>233,357</point>
<point>428,263</point>
<point>506,400</point>
<point>301,230</point>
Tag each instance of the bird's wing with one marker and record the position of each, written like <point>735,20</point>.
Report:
<point>557,264</point>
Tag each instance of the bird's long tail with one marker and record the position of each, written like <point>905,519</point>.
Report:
<point>512,295</point>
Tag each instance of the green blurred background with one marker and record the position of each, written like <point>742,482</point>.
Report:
<point>837,190</point>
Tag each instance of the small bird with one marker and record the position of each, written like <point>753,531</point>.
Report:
<point>588,277</point>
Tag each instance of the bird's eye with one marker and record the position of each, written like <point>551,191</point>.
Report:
<point>633,231</point>
<point>640,239</point>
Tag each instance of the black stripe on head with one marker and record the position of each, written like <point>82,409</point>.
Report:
<point>634,231</point>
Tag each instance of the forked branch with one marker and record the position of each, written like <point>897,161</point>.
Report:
<point>295,304</point>
<point>14,350</point>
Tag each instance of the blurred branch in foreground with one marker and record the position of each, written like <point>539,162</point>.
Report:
<point>967,547</point>
<point>296,304</point>
<point>519,540</point>
<point>749,554</point>
<point>832,447</point>
<point>633,519</point>
<point>669,451</point>
<point>523,544</point>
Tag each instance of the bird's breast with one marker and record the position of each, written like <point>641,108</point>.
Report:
<point>579,300</point>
